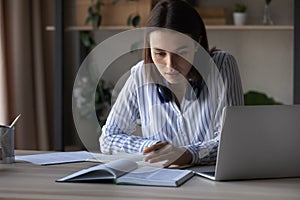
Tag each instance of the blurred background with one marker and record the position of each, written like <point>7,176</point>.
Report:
<point>43,43</point>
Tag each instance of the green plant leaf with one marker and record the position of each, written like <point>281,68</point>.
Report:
<point>92,41</point>
<point>114,2</point>
<point>96,20</point>
<point>99,21</point>
<point>240,8</point>
<point>90,11</point>
<point>133,20</point>
<point>98,6</point>
<point>86,39</point>
<point>258,98</point>
<point>94,15</point>
<point>88,20</point>
<point>136,20</point>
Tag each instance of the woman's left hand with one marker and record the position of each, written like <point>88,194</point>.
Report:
<point>164,151</point>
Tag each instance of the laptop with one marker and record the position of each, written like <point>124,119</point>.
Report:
<point>257,142</point>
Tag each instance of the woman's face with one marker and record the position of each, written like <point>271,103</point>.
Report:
<point>172,54</point>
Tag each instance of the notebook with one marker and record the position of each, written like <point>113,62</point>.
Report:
<point>127,172</point>
<point>257,142</point>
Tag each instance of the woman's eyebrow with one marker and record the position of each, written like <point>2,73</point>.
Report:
<point>158,49</point>
<point>176,50</point>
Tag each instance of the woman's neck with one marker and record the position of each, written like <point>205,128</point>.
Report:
<point>179,91</point>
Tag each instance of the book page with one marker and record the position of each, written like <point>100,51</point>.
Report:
<point>122,166</point>
<point>86,174</point>
<point>158,174</point>
<point>105,158</point>
<point>100,172</point>
<point>155,176</point>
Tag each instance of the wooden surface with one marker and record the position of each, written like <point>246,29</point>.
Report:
<point>27,181</point>
<point>114,14</point>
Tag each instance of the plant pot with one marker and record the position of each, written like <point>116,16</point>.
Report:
<point>239,19</point>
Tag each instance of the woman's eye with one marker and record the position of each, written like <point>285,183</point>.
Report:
<point>160,54</point>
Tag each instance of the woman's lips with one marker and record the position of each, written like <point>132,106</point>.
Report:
<point>171,74</point>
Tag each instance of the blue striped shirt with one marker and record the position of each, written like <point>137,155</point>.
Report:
<point>196,125</point>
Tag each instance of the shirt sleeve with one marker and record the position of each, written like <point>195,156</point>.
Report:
<point>205,152</point>
<point>117,133</point>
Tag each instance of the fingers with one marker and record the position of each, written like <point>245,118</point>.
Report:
<point>181,157</point>
<point>158,158</point>
<point>172,155</point>
<point>169,157</point>
<point>155,147</point>
<point>163,151</point>
<point>157,153</point>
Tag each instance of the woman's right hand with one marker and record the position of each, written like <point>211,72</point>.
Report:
<point>164,151</point>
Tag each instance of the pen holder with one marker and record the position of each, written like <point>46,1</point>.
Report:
<point>7,144</point>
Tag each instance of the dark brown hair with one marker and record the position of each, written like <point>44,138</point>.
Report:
<point>179,16</point>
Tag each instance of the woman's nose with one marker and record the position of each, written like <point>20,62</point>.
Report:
<point>170,60</point>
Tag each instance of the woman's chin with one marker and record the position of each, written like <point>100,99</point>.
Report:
<point>176,80</point>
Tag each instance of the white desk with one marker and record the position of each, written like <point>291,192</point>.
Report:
<point>27,181</point>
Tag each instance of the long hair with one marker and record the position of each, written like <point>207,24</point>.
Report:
<point>179,16</point>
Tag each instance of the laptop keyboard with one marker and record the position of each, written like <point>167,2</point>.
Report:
<point>209,173</point>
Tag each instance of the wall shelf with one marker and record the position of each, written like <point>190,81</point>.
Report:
<point>249,27</point>
<point>209,27</point>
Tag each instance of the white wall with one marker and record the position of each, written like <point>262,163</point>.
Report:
<point>265,59</point>
<point>282,11</point>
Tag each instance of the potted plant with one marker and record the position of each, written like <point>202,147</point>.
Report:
<point>259,98</point>
<point>103,90</point>
<point>240,15</point>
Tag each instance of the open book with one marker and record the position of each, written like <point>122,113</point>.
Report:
<point>126,171</point>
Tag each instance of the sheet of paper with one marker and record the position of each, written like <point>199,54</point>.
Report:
<point>104,158</point>
<point>56,157</point>
<point>81,156</point>
<point>136,157</point>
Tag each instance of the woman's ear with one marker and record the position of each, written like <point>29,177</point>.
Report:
<point>200,39</point>
<point>199,43</point>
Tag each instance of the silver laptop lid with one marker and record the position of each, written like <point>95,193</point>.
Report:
<point>259,142</point>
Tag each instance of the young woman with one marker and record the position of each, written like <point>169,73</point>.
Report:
<point>166,91</point>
